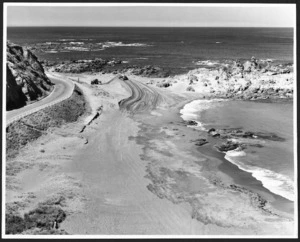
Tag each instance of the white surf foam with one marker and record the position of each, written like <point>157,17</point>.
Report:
<point>51,51</point>
<point>52,43</point>
<point>76,48</point>
<point>109,44</point>
<point>66,39</point>
<point>76,43</point>
<point>266,60</point>
<point>206,63</point>
<point>276,183</point>
<point>192,110</point>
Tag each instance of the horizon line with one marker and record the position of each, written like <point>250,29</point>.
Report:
<point>85,26</point>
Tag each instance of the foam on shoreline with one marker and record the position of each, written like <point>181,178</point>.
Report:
<point>192,110</point>
<point>274,182</point>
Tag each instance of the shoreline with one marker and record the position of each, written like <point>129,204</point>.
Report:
<point>240,176</point>
<point>228,180</point>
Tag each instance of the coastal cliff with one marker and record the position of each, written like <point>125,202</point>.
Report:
<point>26,80</point>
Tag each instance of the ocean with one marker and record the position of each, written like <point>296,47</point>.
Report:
<point>272,165</point>
<point>175,49</point>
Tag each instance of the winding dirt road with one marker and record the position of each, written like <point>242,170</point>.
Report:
<point>143,98</point>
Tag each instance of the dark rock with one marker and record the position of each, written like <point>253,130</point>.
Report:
<point>26,79</point>
<point>191,122</point>
<point>200,142</point>
<point>248,134</point>
<point>211,130</point>
<point>229,145</point>
<point>95,82</point>
<point>215,134</point>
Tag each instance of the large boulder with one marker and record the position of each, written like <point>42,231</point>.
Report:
<point>95,82</point>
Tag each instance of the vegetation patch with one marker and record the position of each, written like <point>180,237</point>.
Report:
<point>31,127</point>
<point>44,219</point>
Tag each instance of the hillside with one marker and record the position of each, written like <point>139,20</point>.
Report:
<point>26,80</point>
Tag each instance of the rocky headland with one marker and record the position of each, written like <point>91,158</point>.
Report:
<point>250,80</point>
<point>26,80</point>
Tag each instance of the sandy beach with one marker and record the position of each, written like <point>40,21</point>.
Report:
<point>134,170</point>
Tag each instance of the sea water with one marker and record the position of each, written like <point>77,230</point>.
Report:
<point>176,49</point>
<point>272,164</point>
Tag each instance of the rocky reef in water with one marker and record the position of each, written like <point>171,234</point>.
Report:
<point>26,80</point>
<point>104,66</point>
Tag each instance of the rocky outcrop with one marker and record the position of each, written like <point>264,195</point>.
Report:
<point>80,66</point>
<point>15,98</point>
<point>26,80</point>
<point>247,80</point>
<point>148,71</point>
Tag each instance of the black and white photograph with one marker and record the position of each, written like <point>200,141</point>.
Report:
<point>149,120</point>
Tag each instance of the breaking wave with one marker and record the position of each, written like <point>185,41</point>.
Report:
<point>276,183</point>
<point>192,110</point>
<point>110,44</point>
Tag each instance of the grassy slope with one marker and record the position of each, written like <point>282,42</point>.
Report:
<point>31,127</point>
